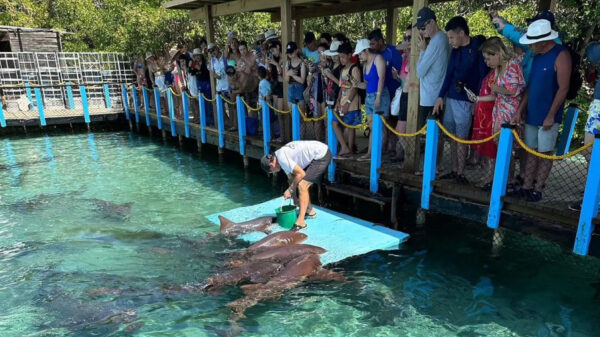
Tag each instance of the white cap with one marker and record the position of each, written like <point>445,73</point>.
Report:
<point>333,49</point>
<point>538,31</point>
<point>172,52</point>
<point>270,34</point>
<point>197,51</point>
<point>361,45</point>
<point>148,55</point>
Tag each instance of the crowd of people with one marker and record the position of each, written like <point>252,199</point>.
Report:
<point>473,84</point>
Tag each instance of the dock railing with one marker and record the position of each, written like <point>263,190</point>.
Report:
<point>569,181</point>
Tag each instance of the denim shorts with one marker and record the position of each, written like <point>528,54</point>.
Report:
<point>352,117</point>
<point>384,103</point>
<point>457,117</point>
<point>539,139</point>
<point>295,92</point>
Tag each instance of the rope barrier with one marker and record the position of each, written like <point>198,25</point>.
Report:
<point>348,125</point>
<point>206,98</point>
<point>173,92</point>
<point>189,96</point>
<point>226,100</point>
<point>277,110</point>
<point>463,141</point>
<point>400,134</point>
<point>249,107</point>
<point>545,156</point>
<point>312,119</point>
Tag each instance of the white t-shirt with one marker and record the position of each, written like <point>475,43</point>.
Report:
<point>301,153</point>
<point>218,66</point>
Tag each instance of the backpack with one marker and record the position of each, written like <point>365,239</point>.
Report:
<point>576,81</point>
<point>362,93</point>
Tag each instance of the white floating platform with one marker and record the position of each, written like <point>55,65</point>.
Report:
<point>342,235</point>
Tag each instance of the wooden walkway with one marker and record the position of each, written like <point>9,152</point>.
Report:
<point>60,116</point>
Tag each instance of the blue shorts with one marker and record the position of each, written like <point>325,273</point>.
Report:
<point>295,92</point>
<point>352,117</point>
<point>384,103</point>
<point>457,117</point>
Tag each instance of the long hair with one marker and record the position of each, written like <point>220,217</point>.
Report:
<point>494,45</point>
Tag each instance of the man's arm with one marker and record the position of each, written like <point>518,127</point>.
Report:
<point>429,57</point>
<point>563,76</point>
<point>447,78</point>
<point>299,174</point>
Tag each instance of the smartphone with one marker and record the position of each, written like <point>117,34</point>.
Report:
<point>469,92</point>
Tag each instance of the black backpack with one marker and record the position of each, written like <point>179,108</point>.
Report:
<point>362,93</point>
<point>576,80</point>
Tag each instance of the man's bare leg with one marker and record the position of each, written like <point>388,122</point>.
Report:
<point>304,202</point>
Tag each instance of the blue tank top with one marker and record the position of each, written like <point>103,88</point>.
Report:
<point>372,79</point>
<point>543,86</point>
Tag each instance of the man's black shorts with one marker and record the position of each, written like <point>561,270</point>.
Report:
<point>317,168</point>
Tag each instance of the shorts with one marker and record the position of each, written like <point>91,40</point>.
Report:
<point>592,126</point>
<point>296,92</point>
<point>169,79</point>
<point>316,169</point>
<point>192,85</point>
<point>384,105</point>
<point>425,112</point>
<point>457,117</point>
<point>160,84</point>
<point>278,89</point>
<point>352,117</point>
<point>539,139</point>
<point>403,113</point>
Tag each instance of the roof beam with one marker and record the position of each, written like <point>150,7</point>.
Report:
<point>238,6</point>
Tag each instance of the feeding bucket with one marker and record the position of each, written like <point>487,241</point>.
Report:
<point>286,216</point>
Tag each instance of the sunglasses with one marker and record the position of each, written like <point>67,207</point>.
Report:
<point>407,37</point>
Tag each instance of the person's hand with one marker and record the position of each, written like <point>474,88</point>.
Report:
<point>472,97</point>
<point>438,107</point>
<point>500,24</point>
<point>495,88</point>
<point>516,119</point>
<point>290,73</point>
<point>377,104</point>
<point>287,194</point>
<point>548,123</point>
<point>345,107</point>
<point>421,41</point>
<point>395,73</point>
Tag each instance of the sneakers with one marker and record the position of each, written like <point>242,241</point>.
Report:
<point>533,195</point>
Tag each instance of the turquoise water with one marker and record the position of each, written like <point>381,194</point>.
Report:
<point>94,229</point>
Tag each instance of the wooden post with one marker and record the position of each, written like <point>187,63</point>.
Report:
<point>299,30</point>
<point>391,26</point>
<point>413,120</point>
<point>546,4</point>
<point>286,36</point>
<point>210,37</point>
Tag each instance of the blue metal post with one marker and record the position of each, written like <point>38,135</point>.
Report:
<point>266,121</point>
<point>295,122</point>
<point>568,129</point>
<point>28,92</point>
<point>430,164</point>
<point>40,106</point>
<point>589,207</point>
<point>186,114</point>
<point>136,103</point>
<point>220,122</point>
<point>376,147</point>
<point>125,101</point>
<point>146,105</point>
<point>158,108</point>
<point>241,116</point>
<point>107,97</point>
<point>85,104</point>
<point>171,112</point>
<point>71,102</point>
<point>331,142</point>
<point>2,119</point>
<point>202,108</point>
<point>501,172</point>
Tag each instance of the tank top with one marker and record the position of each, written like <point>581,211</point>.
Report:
<point>297,71</point>
<point>543,86</point>
<point>372,79</point>
<point>345,87</point>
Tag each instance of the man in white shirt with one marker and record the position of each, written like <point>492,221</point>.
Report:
<point>305,162</point>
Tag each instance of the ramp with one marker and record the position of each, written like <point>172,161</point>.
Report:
<point>342,235</point>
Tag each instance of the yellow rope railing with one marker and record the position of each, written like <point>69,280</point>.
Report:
<point>463,141</point>
<point>348,125</point>
<point>310,119</point>
<point>250,107</point>
<point>174,93</point>
<point>545,156</point>
<point>206,98</point>
<point>400,134</point>
<point>277,110</point>
<point>226,100</point>
<point>189,96</point>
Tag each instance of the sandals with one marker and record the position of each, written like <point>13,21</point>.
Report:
<point>310,216</point>
<point>296,228</point>
<point>364,158</point>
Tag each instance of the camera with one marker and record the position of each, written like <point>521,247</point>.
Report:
<point>460,86</point>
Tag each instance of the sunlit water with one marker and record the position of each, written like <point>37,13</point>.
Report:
<point>61,241</point>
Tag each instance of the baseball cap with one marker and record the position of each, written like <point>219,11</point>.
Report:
<point>291,47</point>
<point>425,14</point>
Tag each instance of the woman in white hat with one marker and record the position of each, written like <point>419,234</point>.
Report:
<point>378,97</point>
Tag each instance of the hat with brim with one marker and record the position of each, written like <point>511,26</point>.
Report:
<point>210,46</point>
<point>149,55</point>
<point>197,51</point>
<point>361,45</point>
<point>333,49</point>
<point>270,34</point>
<point>538,31</point>
<point>172,52</point>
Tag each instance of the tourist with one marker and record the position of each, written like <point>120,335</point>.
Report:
<point>314,95</point>
<point>199,69</point>
<point>378,97</point>
<point>264,86</point>
<point>348,104</point>
<point>276,66</point>
<point>466,69</point>
<point>401,75</point>
<point>304,162</point>
<point>433,60</point>
<point>325,38</point>
<point>295,75</point>
<point>331,69</point>
<point>140,70</point>
<point>176,81</point>
<point>218,64</point>
<point>392,57</point>
<point>203,46</point>
<point>234,84</point>
<point>543,103</point>
<point>310,52</point>
<point>232,48</point>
